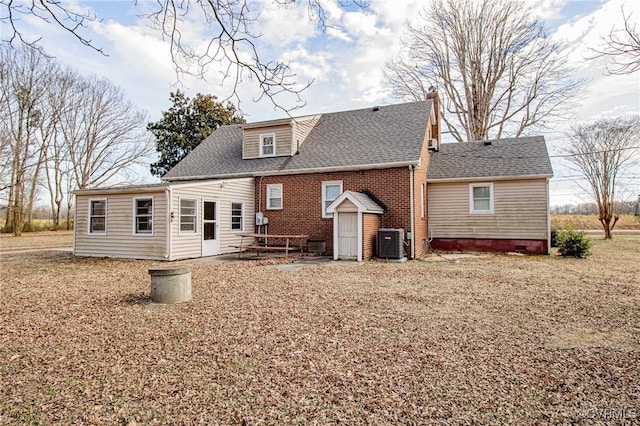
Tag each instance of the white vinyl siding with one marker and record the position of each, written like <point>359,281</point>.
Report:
<point>237,216</point>
<point>143,216</point>
<point>282,140</point>
<point>119,240</point>
<point>330,191</point>
<point>274,196</point>
<point>189,245</point>
<point>120,215</point>
<point>302,129</point>
<point>98,216</point>
<point>519,211</point>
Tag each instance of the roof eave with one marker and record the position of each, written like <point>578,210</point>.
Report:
<point>488,178</point>
<point>123,189</point>
<point>360,167</point>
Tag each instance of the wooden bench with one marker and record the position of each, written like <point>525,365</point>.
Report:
<point>266,247</point>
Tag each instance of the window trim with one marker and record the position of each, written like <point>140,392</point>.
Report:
<point>472,209</point>
<point>268,201</point>
<point>90,216</point>
<point>135,215</point>
<point>326,183</point>
<point>261,147</point>
<point>241,216</point>
<point>195,216</point>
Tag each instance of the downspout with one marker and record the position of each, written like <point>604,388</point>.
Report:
<point>75,222</point>
<point>169,230</point>
<point>548,220</point>
<point>260,194</point>
<point>412,213</point>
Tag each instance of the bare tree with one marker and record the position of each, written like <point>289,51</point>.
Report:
<point>623,46</point>
<point>233,25</point>
<point>600,152</point>
<point>497,71</point>
<point>104,133</point>
<point>57,164</point>
<point>80,132</point>
<point>62,14</point>
<point>24,74</point>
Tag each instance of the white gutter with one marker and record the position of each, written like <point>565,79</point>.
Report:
<point>167,249</point>
<point>412,214</point>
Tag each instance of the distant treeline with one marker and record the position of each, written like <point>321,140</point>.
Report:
<point>620,207</point>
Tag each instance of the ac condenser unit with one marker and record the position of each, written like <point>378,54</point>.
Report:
<point>390,243</point>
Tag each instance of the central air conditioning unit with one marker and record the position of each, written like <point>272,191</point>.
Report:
<point>390,243</point>
<point>432,144</point>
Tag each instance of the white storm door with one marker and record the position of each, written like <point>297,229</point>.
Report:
<point>210,245</point>
<point>348,235</point>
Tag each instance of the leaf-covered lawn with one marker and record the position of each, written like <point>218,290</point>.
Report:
<point>35,240</point>
<point>495,339</point>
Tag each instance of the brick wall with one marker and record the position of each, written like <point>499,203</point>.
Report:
<point>302,200</point>
<point>370,226</point>
<point>420,186</point>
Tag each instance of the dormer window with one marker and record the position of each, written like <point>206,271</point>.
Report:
<point>268,145</point>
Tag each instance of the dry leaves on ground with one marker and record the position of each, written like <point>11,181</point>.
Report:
<point>498,339</point>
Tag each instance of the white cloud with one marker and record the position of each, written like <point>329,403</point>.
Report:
<point>606,94</point>
<point>547,9</point>
<point>283,25</point>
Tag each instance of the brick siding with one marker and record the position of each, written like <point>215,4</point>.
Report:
<point>370,226</point>
<point>302,200</point>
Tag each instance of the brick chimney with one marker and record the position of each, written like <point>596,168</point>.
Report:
<point>435,127</point>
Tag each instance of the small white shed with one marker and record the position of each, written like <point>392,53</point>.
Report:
<point>356,220</point>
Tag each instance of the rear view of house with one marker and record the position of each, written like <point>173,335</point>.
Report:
<point>342,179</point>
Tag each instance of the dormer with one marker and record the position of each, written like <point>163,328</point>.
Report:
<point>276,138</point>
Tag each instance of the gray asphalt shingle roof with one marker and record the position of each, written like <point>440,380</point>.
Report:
<point>370,205</point>
<point>393,134</point>
<point>525,156</point>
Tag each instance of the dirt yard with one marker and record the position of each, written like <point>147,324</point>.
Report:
<point>490,340</point>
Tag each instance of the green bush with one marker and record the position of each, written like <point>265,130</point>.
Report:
<point>573,243</point>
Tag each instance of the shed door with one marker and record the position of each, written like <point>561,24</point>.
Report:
<point>210,228</point>
<point>348,235</point>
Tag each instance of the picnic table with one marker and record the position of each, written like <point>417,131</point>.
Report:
<point>262,243</point>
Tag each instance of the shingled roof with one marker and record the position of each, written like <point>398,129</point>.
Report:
<point>384,136</point>
<point>499,158</point>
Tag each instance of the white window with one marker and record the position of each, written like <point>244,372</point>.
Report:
<point>188,215</point>
<point>268,145</point>
<point>143,215</point>
<point>237,216</point>
<point>274,196</point>
<point>330,191</point>
<point>98,216</point>
<point>481,198</point>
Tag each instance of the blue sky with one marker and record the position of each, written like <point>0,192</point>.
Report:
<point>345,62</point>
